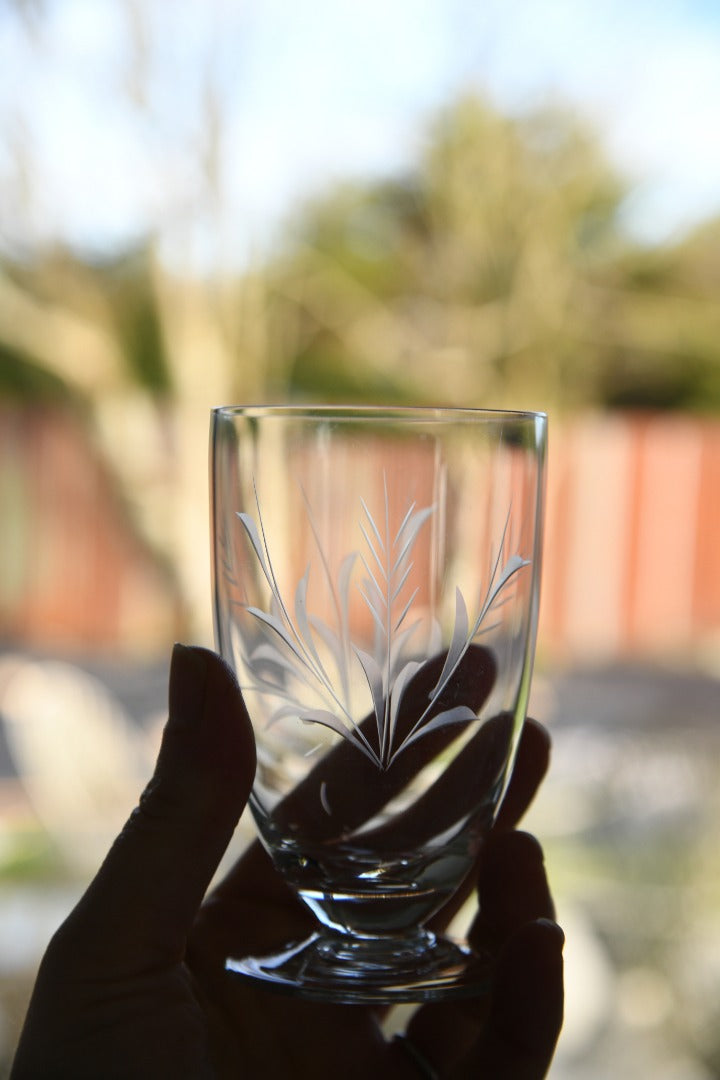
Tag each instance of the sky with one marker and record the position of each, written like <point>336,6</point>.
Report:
<point>207,120</point>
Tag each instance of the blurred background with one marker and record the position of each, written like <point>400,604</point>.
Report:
<point>427,202</point>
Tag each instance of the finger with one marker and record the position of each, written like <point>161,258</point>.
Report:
<point>526,1008</point>
<point>250,911</point>
<point>531,764</point>
<point>353,786</point>
<point>467,783</point>
<point>513,888</point>
<point>511,1033</point>
<point>253,884</point>
<point>513,891</point>
<point>137,911</point>
<point>228,921</point>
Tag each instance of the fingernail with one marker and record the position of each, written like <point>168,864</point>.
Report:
<point>188,678</point>
<point>554,929</point>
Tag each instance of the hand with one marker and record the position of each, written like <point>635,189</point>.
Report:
<point>132,984</point>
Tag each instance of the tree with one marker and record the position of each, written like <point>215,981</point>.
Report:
<point>480,265</point>
<point>494,272</point>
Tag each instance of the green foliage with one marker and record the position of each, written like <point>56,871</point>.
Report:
<point>688,381</point>
<point>129,287</point>
<point>30,855</point>
<point>115,297</point>
<point>457,280</point>
<point>22,379</point>
<point>494,271</point>
<point>326,373</point>
<point>665,351</point>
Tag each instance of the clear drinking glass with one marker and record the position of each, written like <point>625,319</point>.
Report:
<point>376,580</point>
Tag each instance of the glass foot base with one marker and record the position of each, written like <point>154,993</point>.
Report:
<point>336,969</point>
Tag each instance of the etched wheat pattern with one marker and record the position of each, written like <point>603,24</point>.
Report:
<point>289,660</point>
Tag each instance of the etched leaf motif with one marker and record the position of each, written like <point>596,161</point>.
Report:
<point>344,575</point>
<point>373,674</point>
<point>269,655</point>
<point>408,531</point>
<point>461,714</point>
<point>274,623</point>
<point>291,664</point>
<point>332,642</point>
<point>301,617</point>
<point>254,537</point>
<point>398,689</point>
<point>330,720</point>
<point>458,642</point>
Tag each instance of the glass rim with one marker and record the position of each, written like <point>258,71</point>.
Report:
<point>426,413</point>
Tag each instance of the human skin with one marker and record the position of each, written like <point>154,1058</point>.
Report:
<point>133,984</point>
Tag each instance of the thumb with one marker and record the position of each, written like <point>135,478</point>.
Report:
<point>138,910</point>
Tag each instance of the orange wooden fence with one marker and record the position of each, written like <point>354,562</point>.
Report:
<point>632,556</point>
<point>74,573</point>
<point>632,553</point>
